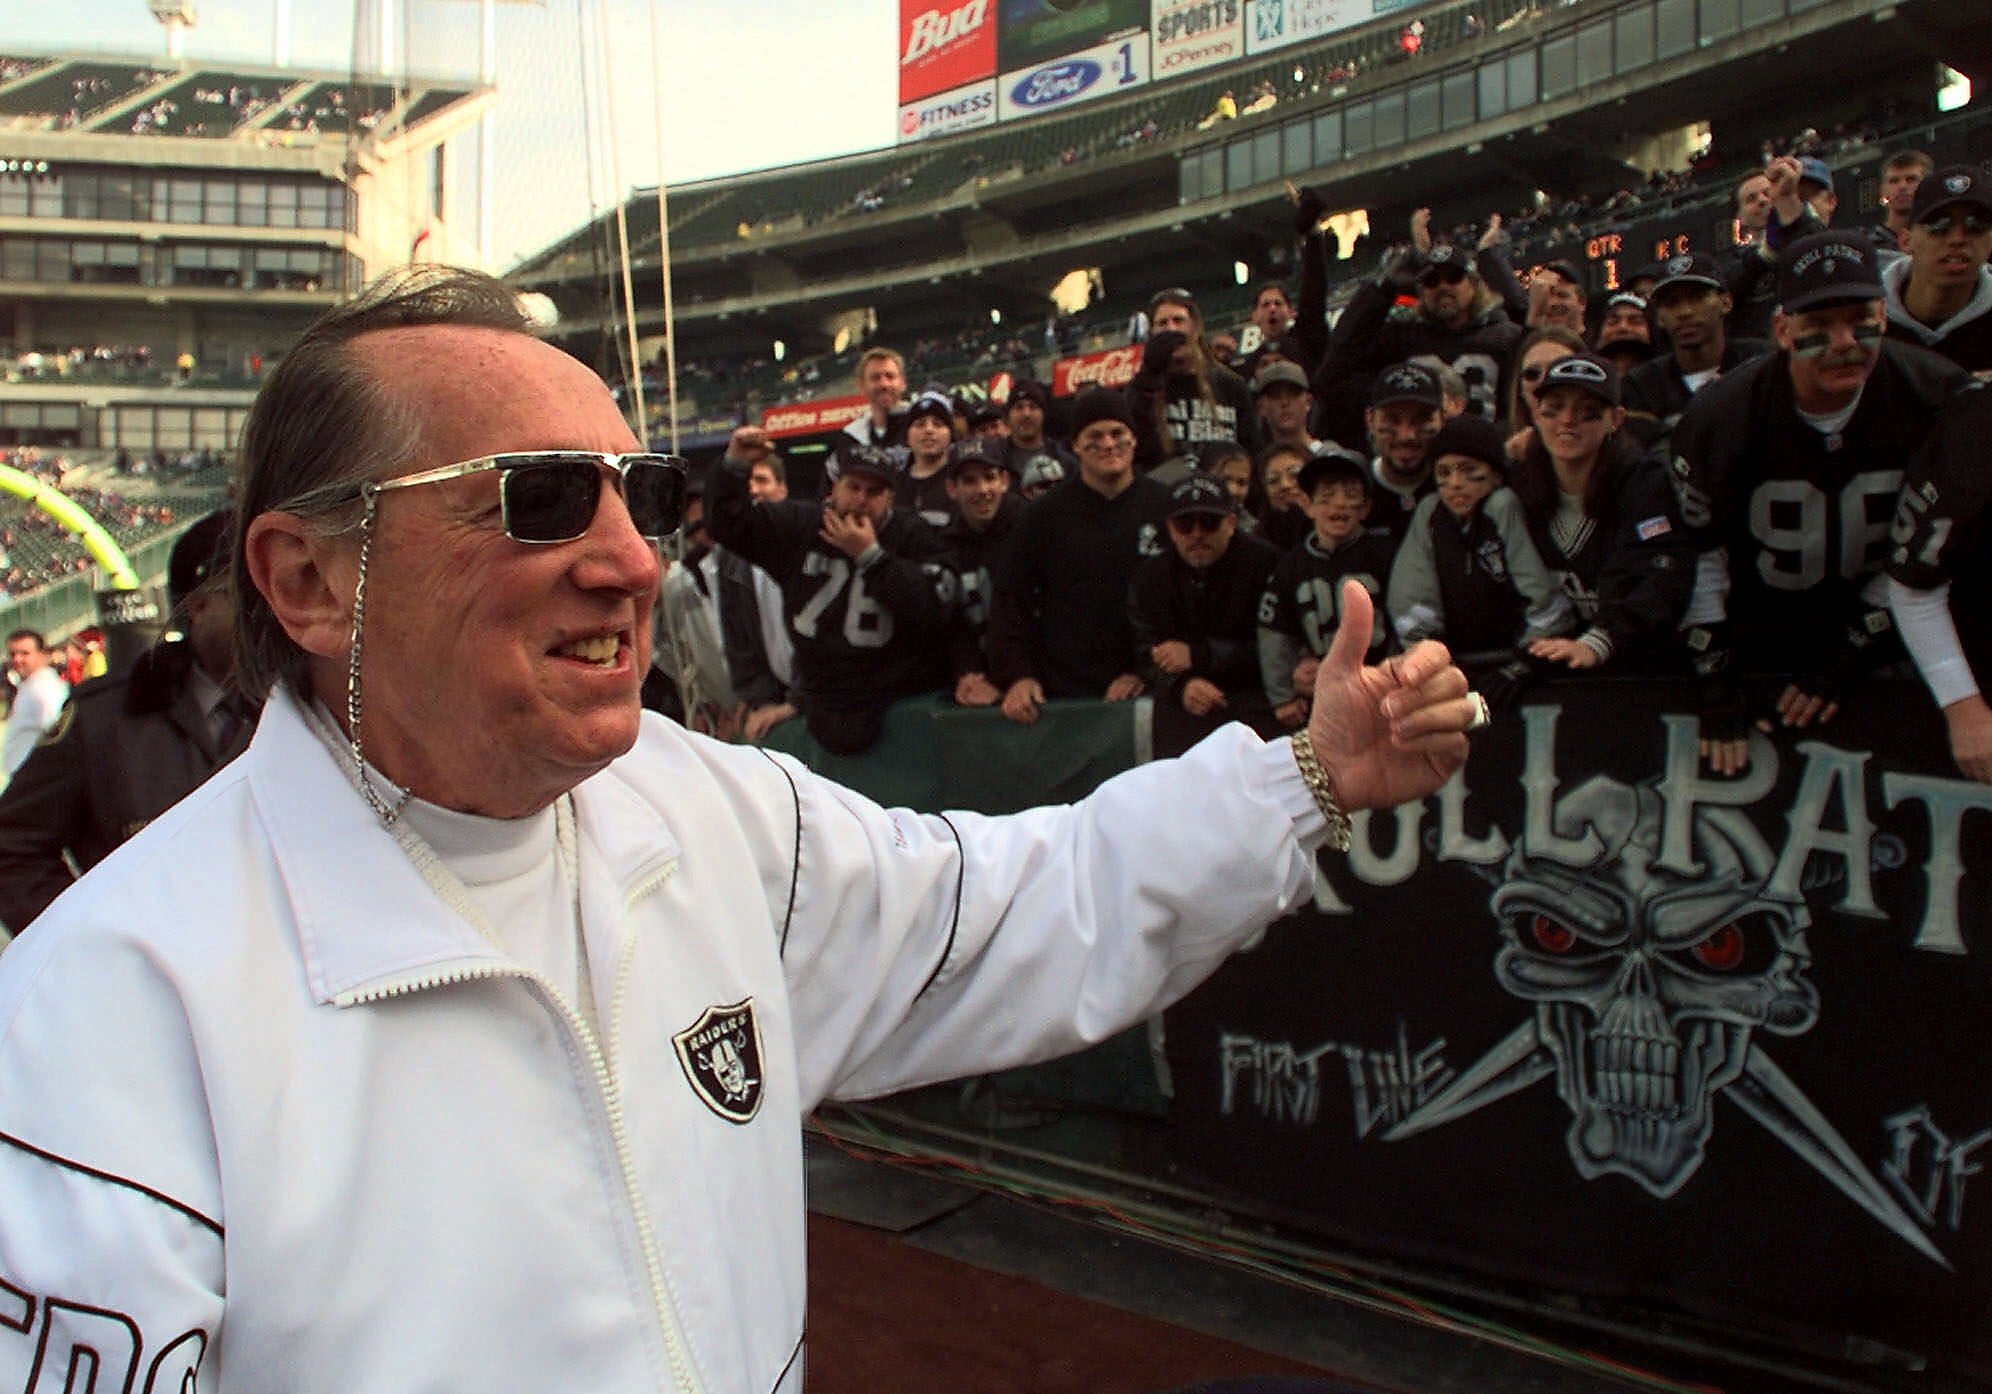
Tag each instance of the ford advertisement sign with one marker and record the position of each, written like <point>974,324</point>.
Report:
<point>1099,72</point>
<point>1056,85</point>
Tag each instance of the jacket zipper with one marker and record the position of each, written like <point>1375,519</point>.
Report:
<point>606,1091</point>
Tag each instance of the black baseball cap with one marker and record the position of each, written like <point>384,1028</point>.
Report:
<point>851,457</point>
<point>1333,465</point>
<point>931,403</point>
<point>1028,390</point>
<point>200,553</point>
<point>1585,372</point>
<point>1827,268</point>
<point>977,450</point>
<point>1200,493</point>
<point>1686,270</point>
<point>1966,184</point>
<point>1443,254</point>
<point>1280,372</point>
<point>1408,382</point>
<point>1565,270</point>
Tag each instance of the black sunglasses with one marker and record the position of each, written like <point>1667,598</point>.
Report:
<point>549,496</point>
<point>1975,224</point>
<point>1197,522</point>
<point>1442,276</point>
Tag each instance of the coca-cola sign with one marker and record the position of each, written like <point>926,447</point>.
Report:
<point>1113,368</point>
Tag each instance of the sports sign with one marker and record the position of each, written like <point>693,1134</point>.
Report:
<point>1186,36</point>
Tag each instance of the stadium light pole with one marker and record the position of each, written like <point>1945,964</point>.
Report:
<point>178,17</point>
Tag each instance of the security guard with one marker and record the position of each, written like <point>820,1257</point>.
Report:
<point>127,748</point>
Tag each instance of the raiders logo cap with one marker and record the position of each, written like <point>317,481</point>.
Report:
<point>1969,185</point>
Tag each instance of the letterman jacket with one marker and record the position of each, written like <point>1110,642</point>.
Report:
<point>273,1114</point>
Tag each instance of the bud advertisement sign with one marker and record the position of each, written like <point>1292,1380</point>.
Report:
<point>1114,368</point>
<point>1274,24</point>
<point>944,113</point>
<point>943,44</point>
<point>1035,32</point>
<point>1186,36</point>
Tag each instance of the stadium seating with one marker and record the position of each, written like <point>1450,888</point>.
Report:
<point>71,94</point>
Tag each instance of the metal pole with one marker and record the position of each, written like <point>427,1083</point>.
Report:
<point>664,229</point>
<point>487,74</point>
<point>642,423</point>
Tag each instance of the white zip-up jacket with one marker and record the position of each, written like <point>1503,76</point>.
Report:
<point>275,1116</point>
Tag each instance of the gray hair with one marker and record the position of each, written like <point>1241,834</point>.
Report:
<point>324,423</point>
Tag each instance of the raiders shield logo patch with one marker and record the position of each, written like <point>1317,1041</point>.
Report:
<point>721,1055</point>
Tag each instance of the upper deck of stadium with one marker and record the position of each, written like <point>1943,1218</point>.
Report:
<point>1573,99</point>
<point>285,108</point>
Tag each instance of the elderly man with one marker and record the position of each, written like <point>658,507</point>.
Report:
<point>1788,469</point>
<point>458,1034</point>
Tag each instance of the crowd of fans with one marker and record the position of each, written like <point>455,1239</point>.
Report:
<point>36,550</point>
<point>213,109</point>
<point>1554,486</point>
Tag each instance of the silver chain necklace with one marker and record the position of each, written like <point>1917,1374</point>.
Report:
<point>387,812</point>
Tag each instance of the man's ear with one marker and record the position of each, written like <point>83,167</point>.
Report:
<point>306,579</point>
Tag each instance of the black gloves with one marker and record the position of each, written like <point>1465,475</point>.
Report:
<point>1161,347</point>
<point>1867,642</point>
<point>1400,269</point>
<point>1308,212</point>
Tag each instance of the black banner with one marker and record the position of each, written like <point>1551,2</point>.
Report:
<point>1594,1021</point>
<point>1035,31</point>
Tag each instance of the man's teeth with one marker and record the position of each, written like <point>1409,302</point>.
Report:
<point>600,649</point>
